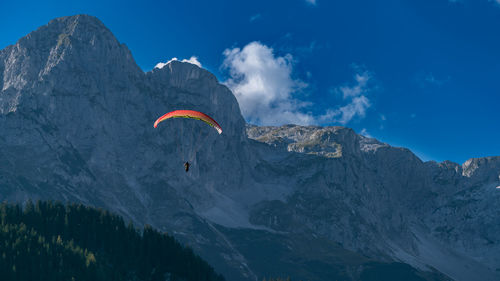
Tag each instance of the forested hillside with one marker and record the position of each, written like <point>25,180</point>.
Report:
<point>52,241</point>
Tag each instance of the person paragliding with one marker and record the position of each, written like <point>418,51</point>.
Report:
<point>190,114</point>
<point>193,115</point>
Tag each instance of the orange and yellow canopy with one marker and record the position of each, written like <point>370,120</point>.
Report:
<point>190,114</point>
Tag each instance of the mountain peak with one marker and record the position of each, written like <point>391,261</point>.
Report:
<point>79,23</point>
<point>180,73</point>
<point>66,31</point>
<point>57,53</point>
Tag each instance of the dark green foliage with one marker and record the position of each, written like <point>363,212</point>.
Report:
<point>51,241</point>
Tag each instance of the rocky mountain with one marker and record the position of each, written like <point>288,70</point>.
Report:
<point>313,203</point>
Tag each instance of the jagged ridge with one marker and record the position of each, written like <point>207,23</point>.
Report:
<point>76,116</point>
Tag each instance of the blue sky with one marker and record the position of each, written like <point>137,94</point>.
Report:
<point>419,74</point>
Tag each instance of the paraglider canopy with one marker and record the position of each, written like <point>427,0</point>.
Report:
<point>190,114</point>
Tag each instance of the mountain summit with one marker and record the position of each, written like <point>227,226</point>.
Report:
<point>76,116</point>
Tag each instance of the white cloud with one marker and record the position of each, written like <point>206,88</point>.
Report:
<point>255,17</point>
<point>461,1</point>
<point>312,2</point>
<point>431,79</point>
<point>343,115</point>
<point>356,97</point>
<point>267,94</point>
<point>358,89</point>
<point>357,107</point>
<point>264,87</point>
<point>160,65</point>
<point>382,120</point>
<point>365,133</point>
<point>192,60</point>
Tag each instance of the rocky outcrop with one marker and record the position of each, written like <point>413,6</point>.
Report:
<point>76,116</point>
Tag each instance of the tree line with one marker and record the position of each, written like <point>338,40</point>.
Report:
<point>48,240</point>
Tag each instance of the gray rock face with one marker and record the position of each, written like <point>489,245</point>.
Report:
<point>384,201</point>
<point>76,116</point>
